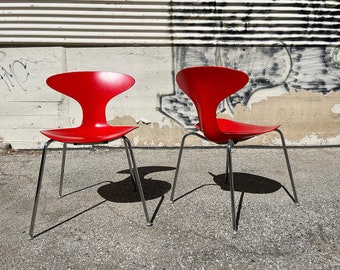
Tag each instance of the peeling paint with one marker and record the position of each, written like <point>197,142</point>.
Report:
<point>161,111</point>
<point>147,135</point>
<point>264,94</point>
<point>135,140</point>
<point>336,108</point>
<point>144,121</point>
<point>313,139</point>
<point>301,114</point>
<point>300,122</point>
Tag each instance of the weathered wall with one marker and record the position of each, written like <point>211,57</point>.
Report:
<point>298,87</point>
<point>28,105</point>
<point>290,49</point>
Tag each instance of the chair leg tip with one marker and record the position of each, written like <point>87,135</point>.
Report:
<point>234,233</point>
<point>149,224</point>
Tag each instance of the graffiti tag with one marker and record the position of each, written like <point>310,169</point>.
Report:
<point>13,75</point>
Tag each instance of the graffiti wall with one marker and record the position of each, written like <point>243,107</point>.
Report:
<point>297,87</point>
<point>289,49</point>
<point>273,70</point>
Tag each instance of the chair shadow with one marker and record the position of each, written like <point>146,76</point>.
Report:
<point>244,183</point>
<point>69,219</point>
<point>248,183</point>
<point>124,191</point>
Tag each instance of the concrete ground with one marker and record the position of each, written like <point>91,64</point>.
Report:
<point>99,223</point>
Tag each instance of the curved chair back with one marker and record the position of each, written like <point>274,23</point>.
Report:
<point>207,86</point>
<point>93,90</point>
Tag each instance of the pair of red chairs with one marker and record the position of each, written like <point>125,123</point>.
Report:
<point>206,86</point>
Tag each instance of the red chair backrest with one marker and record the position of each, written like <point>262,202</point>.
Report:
<point>207,86</point>
<point>93,90</point>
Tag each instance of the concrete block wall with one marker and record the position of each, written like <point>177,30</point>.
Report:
<point>300,89</point>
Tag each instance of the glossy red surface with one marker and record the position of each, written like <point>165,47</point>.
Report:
<point>207,86</point>
<point>92,90</point>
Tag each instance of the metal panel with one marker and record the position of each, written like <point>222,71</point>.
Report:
<point>256,22</point>
<point>166,22</point>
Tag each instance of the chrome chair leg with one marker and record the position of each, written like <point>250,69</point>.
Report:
<point>37,194</point>
<point>227,168</point>
<point>179,162</point>
<point>229,175</point>
<point>130,166</point>
<point>232,188</point>
<point>138,181</point>
<point>62,171</point>
<point>288,166</point>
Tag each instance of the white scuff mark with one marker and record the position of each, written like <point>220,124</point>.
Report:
<point>336,108</point>
<point>308,140</point>
<point>314,140</point>
<point>136,140</point>
<point>116,143</point>
<point>207,143</point>
<point>149,143</point>
<point>166,122</point>
<point>144,121</point>
<point>163,122</point>
<point>265,93</point>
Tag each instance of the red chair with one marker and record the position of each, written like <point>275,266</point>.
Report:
<point>207,86</point>
<point>93,90</point>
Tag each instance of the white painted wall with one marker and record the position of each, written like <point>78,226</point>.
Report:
<point>28,105</point>
<point>153,39</point>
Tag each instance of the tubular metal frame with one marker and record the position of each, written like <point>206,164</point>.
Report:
<point>133,170</point>
<point>229,173</point>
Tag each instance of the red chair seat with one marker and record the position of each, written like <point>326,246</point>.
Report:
<point>237,131</point>
<point>86,135</point>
